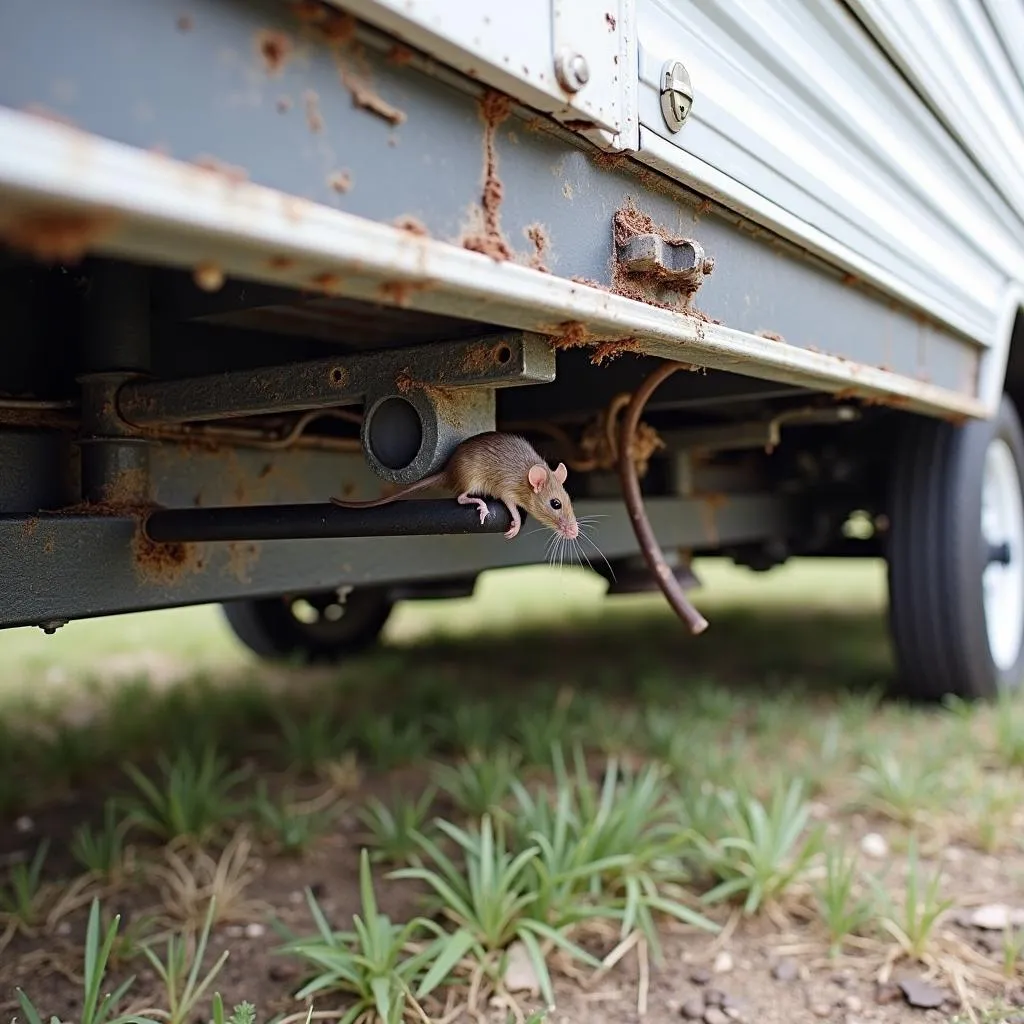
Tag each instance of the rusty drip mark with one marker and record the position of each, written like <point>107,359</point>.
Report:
<point>57,236</point>
<point>340,181</point>
<point>314,119</point>
<point>275,48</point>
<point>495,108</point>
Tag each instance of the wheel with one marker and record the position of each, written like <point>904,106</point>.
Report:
<point>313,628</point>
<point>955,554</point>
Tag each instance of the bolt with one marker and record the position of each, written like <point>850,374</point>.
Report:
<point>50,626</point>
<point>572,70</point>
<point>676,94</point>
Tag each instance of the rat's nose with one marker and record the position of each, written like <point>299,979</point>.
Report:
<point>571,530</point>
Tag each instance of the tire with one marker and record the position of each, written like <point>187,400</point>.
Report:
<point>956,593</point>
<point>311,628</point>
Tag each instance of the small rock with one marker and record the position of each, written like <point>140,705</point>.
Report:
<point>723,962</point>
<point>853,1004</point>
<point>234,931</point>
<point>63,928</point>
<point>24,824</point>
<point>693,1009</point>
<point>255,930</point>
<point>714,997</point>
<point>734,1013</point>
<point>874,845</point>
<point>921,993</point>
<point>820,1009</point>
<point>715,1016</point>
<point>281,972</point>
<point>997,917</point>
<point>520,975</point>
<point>786,970</point>
<point>887,993</point>
<point>701,976</point>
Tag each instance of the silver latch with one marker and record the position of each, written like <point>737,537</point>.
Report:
<point>676,94</point>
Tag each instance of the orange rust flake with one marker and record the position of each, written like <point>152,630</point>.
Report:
<point>209,277</point>
<point>59,237</point>
<point>770,336</point>
<point>494,109</point>
<point>539,239</point>
<point>314,119</point>
<point>275,48</point>
<point>280,263</point>
<point>365,98</point>
<point>163,563</point>
<point>184,23</point>
<point>412,225</point>
<point>400,55</point>
<point>606,351</point>
<point>570,334</point>
<point>340,181</point>
<point>401,292</point>
<point>326,281</point>
<point>236,175</point>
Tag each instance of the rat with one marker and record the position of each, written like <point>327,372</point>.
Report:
<point>502,466</point>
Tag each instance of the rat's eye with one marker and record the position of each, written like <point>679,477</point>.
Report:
<point>555,503</point>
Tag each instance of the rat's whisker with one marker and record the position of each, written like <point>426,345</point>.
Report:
<point>602,554</point>
<point>578,547</point>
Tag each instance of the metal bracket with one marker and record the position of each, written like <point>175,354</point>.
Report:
<point>678,260</point>
<point>419,402</point>
<point>676,94</point>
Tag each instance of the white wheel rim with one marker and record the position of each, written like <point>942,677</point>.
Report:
<point>1002,522</point>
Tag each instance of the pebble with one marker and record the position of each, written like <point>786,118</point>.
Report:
<point>723,962</point>
<point>821,1009</point>
<point>996,917</point>
<point>24,824</point>
<point>734,1013</point>
<point>786,970</point>
<point>700,976</point>
<point>921,994</point>
<point>234,931</point>
<point>874,845</point>
<point>693,1009</point>
<point>714,997</point>
<point>715,1016</point>
<point>254,930</point>
<point>63,928</point>
<point>281,972</point>
<point>853,1004</point>
<point>887,993</point>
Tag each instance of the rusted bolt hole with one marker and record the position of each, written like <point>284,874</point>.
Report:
<point>504,354</point>
<point>337,376</point>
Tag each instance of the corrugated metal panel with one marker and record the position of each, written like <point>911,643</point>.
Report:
<point>801,123</point>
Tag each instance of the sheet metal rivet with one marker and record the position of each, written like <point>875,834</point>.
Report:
<point>572,70</point>
<point>676,94</point>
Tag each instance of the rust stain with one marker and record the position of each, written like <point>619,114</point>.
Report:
<point>400,293</point>
<point>481,358</point>
<point>495,107</point>
<point>340,181</point>
<point>365,97</point>
<point>275,48</point>
<point>163,563</point>
<point>326,281</point>
<point>570,334</point>
<point>280,263</point>
<point>29,528</point>
<point>541,242</point>
<point>400,55</point>
<point>770,336</point>
<point>284,104</point>
<point>413,225</point>
<point>610,21</point>
<point>606,351</point>
<point>59,237</point>
<point>184,23</point>
<point>241,559</point>
<point>236,175</point>
<point>314,119</point>
<point>209,277</point>
<point>50,546</point>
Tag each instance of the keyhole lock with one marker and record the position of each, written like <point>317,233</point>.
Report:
<point>676,94</point>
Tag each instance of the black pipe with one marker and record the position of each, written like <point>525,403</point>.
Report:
<point>321,521</point>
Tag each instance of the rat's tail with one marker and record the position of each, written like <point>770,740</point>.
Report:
<point>427,481</point>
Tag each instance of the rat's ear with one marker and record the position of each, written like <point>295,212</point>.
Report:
<point>560,473</point>
<point>537,476</point>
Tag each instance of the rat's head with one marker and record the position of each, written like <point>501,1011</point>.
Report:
<point>548,503</point>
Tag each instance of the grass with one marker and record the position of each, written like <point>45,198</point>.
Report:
<point>563,777</point>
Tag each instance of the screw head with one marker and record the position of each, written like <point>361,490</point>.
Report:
<point>572,70</point>
<point>676,94</point>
